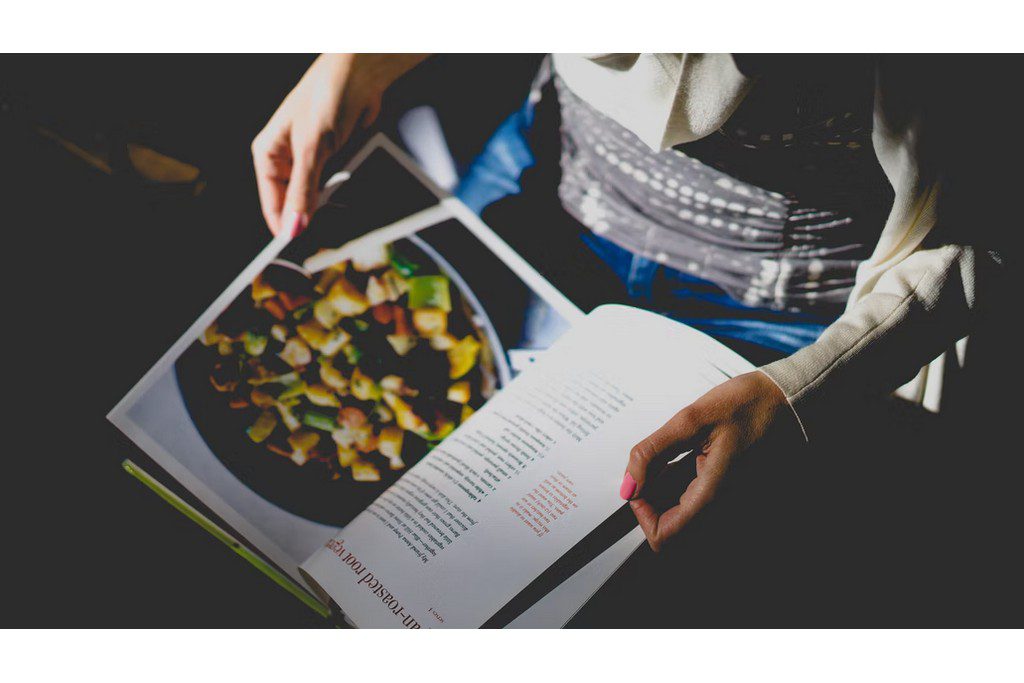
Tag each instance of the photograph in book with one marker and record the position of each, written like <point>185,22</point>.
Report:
<point>298,400</point>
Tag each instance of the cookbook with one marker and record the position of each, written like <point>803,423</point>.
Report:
<point>403,416</point>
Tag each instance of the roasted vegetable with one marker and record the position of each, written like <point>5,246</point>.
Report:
<point>302,444</point>
<point>347,456</point>
<point>288,417</point>
<point>327,342</point>
<point>261,290</point>
<point>404,415</point>
<point>275,308</point>
<point>316,420</point>
<point>280,333</point>
<point>262,427</point>
<point>430,322</point>
<point>284,378</point>
<point>365,471</point>
<point>326,314</point>
<point>403,265</point>
<point>363,387</point>
<point>430,291</point>
<point>459,392</point>
<point>352,353</point>
<point>322,395</point>
<point>255,344</point>
<point>462,357</point>
<point>389,444</point>
<point>401,343</point>
<point>293,390</point>
<point>296,353</point>
<point>211,336</point>
<point>333,377</point>
<point>346,299</point>
<point>261,399</point>
<point>358,391</point>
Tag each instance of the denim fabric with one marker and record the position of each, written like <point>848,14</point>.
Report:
<point>495,174</point>
<point>702,304</point>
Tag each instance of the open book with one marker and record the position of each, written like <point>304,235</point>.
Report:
<point>401,414</point>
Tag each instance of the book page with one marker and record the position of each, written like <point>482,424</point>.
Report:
<point>263,460</point>
<point>522,481</point>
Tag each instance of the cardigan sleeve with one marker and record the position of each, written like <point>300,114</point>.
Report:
<point>928,276</point>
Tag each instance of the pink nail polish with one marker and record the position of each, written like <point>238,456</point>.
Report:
<point>628,487</point>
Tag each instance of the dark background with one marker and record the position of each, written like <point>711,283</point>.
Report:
<point>103,271</point>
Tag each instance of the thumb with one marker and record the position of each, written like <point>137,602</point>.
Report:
<point>646,459</point>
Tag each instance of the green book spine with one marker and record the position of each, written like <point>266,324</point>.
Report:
<point>275,575</point>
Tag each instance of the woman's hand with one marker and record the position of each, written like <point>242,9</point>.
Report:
<point>745,414</point>
<point>336,94</point>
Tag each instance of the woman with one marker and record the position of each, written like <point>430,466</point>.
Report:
<point>794,199</point>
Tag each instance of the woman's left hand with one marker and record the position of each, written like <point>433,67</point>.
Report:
<point>736,418</point>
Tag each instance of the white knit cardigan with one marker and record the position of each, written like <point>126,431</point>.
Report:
<point>913,298</point>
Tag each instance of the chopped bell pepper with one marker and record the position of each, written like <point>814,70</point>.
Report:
<point>430,291</point>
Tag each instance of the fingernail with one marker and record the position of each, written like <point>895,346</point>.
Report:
<point>628,487</point>
<point>294,221</point>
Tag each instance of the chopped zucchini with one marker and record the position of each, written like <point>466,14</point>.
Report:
<point>316,420</point>
<point>293,390</point>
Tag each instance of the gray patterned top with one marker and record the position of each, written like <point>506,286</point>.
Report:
<point>777,208</point>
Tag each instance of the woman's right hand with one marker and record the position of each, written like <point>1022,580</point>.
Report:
<point>336,94</point>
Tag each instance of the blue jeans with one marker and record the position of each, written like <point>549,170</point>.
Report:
<point>701,304</point>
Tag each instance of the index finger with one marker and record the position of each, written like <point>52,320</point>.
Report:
<point>272,175</point>
<point>658,528</point>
